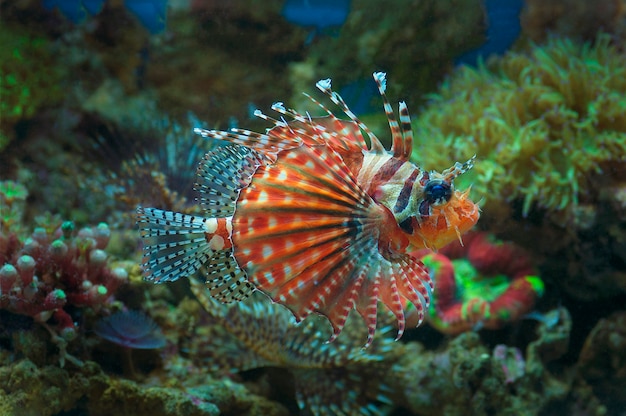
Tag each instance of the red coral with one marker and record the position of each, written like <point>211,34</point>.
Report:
<point>483,284</point>
<point>46,273</point>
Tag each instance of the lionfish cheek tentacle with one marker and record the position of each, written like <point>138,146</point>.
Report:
<point>450,174</point>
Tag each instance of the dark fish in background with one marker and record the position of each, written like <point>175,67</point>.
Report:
<point>151,13</point>
<point>320,16</point>
<point>75,10</point>
<point>503,29</point>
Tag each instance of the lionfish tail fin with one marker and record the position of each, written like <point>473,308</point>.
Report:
<point>174,244</point>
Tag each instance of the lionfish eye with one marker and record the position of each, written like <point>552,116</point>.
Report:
<point>437,192</point>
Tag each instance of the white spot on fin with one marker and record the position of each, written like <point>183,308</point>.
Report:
<point>323,84</point>
<point>382,78</point>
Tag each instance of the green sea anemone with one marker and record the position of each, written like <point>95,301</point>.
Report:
<point>543,123</point>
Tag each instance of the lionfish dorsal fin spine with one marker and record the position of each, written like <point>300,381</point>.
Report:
<point>347,132</point>
<point>264,143</point>
<point>407,131</point>
<point>398,143</point>
<point>325,86</point>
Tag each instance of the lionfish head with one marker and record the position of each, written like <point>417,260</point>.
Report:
<point>444,213</point>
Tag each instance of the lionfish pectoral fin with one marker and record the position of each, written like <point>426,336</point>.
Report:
<point>367,307</point>
<point>390,297</point>
<point>413,282</point>
<point>175,244</point>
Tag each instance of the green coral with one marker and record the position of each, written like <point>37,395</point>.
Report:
<point>542,123</point>
<point>12,204</point>
<point>29,78</point>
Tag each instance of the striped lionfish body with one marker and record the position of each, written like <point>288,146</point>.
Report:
<point>312,217</point>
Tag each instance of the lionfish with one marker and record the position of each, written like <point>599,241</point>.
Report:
<point>312,217</point>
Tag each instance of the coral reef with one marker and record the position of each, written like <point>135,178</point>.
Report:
<point>47,274</point>
<point>94,120</point>
<point>545,124</point>
<point>602,362</point>
<point>12,203</point>
<point>466,375</point>
<point>483,283</point>
<point>573,18</point>
<point>30,78</point>
<point>329,378</point>
<point>27,389</point>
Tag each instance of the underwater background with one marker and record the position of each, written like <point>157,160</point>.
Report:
<point>98,102</point>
